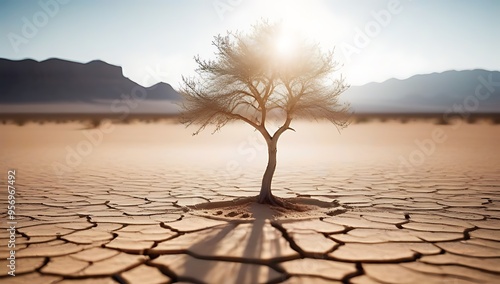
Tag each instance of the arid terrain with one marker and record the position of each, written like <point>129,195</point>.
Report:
<point>413,202</point>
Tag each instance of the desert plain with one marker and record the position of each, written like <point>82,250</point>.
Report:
<point>414,202</point>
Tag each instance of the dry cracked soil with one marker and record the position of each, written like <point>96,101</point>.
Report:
<point>126,213</point>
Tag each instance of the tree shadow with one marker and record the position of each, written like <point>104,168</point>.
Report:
<point>253,242</point>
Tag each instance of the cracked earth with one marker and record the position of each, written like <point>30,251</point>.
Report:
<point>113,221</point>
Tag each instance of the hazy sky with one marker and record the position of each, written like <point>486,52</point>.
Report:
<point>156,40</point>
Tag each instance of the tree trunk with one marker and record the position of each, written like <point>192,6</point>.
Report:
<point>265,195</point>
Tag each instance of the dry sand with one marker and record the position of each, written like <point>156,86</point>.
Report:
<point>119,210</point>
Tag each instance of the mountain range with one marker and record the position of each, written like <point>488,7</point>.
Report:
<point>56,85</point>
<point>468,90</point>
<point>56,80</point>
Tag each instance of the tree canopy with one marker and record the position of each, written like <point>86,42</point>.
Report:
<point>254,78</point>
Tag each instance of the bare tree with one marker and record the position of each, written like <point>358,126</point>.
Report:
<point>261,76</point>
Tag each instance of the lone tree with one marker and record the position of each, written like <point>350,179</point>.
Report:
<point>267,74</point>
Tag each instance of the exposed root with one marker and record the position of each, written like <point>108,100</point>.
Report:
<point>283,203</point>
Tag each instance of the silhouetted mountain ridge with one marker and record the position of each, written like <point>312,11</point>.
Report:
<point>56,80</point>
<point>435,92</point>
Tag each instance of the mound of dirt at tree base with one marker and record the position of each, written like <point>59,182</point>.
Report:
<point>247,208</point>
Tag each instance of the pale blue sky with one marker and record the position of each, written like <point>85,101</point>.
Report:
<point>156,40</point>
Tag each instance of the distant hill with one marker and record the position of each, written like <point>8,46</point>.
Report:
<point>56,85</point>
<point>436,92</point>
<point>60,81</point>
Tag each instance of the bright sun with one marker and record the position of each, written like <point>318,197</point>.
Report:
<point>284,44</point>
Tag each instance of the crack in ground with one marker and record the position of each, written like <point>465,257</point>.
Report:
<point>359,271</point>
<point>467,232</point>
<point>289,239</point>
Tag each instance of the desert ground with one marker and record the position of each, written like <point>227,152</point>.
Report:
<point>414,202</point>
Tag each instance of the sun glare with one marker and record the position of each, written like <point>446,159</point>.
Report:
<point>284,44</point>
<point>306,17</point>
